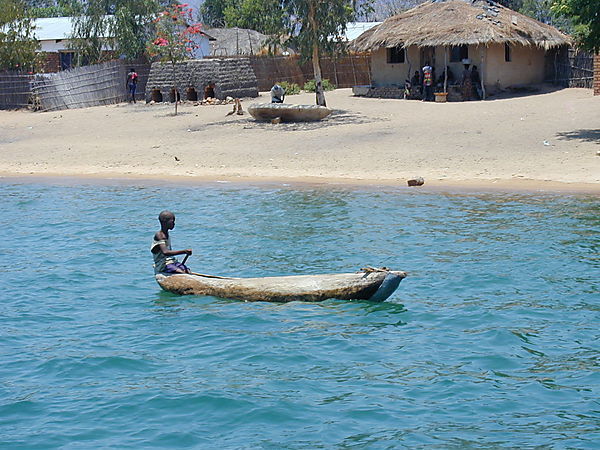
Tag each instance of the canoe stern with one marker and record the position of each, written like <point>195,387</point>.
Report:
<point>387,287</point>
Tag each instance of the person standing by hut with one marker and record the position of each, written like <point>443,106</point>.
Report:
<point>467,85</point>
<point>476,81</point>
<point>427,82</point>
<point>131,83</point>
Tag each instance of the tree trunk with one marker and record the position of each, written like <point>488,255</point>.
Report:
<point>320,94</point>
<point>174,84</point>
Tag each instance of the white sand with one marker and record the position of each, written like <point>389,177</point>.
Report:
<point>548,140</point>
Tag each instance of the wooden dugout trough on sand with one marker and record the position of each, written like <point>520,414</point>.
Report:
<point>368,284</point>
<point>288,113</point>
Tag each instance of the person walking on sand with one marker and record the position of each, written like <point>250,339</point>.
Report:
<point>131,84</point>
<point>164,257</point>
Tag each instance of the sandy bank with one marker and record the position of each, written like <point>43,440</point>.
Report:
<point>549,141</point>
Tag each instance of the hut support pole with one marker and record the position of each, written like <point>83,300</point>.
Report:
<point>445,69</point>
<point>481,72</point>
<point>408,75</point>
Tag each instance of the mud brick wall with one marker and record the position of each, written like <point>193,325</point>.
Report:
<point>597,74</point>
<point>233,77</point>
<point>51,62</point>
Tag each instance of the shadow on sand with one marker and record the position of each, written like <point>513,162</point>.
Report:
<point>524,91</point>
<point>581,135</point>
<point>337,117</point>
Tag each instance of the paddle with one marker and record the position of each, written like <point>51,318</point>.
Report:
<point>201,274</point>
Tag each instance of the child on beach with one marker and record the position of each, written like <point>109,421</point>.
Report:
<point>131,83</point>
<point>164,257</point>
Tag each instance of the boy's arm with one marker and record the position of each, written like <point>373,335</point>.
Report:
<point>167,252</point>
<point>160,236</point>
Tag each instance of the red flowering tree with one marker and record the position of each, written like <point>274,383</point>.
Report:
<point>174,39</point>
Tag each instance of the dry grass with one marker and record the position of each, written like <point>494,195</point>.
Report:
<point>456,22</point>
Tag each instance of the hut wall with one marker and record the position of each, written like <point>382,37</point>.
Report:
<point>387,74</point>
<point>232,77</point>
<point>526,66</point>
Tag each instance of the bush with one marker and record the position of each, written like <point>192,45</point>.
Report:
<point>309,86</point>
<point>290,88</point>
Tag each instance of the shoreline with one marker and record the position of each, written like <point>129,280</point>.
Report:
<point>548,142</point>
<point>463,186</point>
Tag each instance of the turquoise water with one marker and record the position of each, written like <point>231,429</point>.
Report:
<point>491,342</point>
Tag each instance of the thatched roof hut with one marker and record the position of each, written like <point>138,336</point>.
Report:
<point>509,48</point>
<point>456,22</point>
<point>236,41</point>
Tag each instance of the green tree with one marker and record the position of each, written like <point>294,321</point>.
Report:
<point>317,27</point>
<point>123,25</point>
<point>585,15</point>
<point>17,41</point>
<point>265,16</point>
<point>50,8</point>
<point>212,12</point>
<point>173,40</point>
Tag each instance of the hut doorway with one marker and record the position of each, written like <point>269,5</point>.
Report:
<point>427,55</point>
<point>174,96</point>
<point>156,96</point>
<point>191,94</point>
<point>209,91</point>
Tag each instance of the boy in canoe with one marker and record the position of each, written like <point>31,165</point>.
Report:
<point>164,257</point>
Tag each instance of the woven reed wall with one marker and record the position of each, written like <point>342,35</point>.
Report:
<point>15,91</point>
<point>568,67</point>
<point>345,71</point>
<point>99,84</point>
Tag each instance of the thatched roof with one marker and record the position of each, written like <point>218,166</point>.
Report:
<point>236,41</point>
<point>456,22</point>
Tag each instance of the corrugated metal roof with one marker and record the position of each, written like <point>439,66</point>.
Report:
<point>52,28</point>
<point>49,28</point>
<point>355,29</point>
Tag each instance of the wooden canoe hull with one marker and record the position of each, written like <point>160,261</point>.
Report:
<point>373,285</point>
<point>288,113</point>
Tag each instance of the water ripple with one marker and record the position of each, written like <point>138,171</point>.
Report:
<point>491,342</point>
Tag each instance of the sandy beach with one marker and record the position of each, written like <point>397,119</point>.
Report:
<point>548,140</point>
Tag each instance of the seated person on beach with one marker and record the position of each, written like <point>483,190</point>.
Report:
<point>415,83</point>
<point>277,94</point>
<point>164,257</point>
<point>467,85</point>
<point>450,79</point>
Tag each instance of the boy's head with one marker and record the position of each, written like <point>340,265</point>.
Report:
<point>167,220</point>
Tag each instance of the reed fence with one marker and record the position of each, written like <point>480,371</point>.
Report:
<point>99,84</point>
<point>15,90</point>
<point>571,68</point>
<point>343,71</point>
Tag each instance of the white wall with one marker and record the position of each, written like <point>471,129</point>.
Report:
<point>385,74</point>
<point>203,49</point>
<point>526,65</point>
<point>52,46</point>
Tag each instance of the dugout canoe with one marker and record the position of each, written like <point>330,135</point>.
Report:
<point>368,284</point>
<point>288,113</point>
